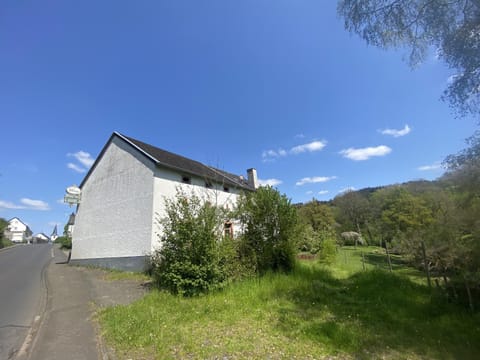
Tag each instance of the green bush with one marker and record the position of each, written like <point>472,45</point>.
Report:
<point>194,257</point>
<point>307,239</point>
<point>270,223</point>
<point>328,250</point>
<point>64,241</point>
<point>5,243</point>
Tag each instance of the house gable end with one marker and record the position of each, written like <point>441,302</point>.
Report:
<point>104,149</point>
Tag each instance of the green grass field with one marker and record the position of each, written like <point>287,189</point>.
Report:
<point>339,311</point>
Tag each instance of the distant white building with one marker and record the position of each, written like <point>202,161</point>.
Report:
<point>40,238</point>
<point>17,231</point>
<point>124,193</point>
<point>70,225</point>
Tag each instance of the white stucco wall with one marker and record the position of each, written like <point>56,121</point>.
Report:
<point>114,218</point>
<point>167,182</point>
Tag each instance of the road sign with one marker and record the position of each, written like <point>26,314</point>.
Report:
<point>71,199</point>
<point>73,190</point>
<point>73,195</point>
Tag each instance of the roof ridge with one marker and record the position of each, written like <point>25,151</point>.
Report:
<point>183,163</point>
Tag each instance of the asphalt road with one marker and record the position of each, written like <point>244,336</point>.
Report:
<point>22,293</point>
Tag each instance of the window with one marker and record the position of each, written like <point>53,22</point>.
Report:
<point>186,179</point>
<point>226,189</point>
<point>208,184</point>
<point>228,229</point>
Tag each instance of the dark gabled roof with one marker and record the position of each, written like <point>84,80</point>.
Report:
<point>54,232</point>
<point>71,219</point>
<point>179,163</point>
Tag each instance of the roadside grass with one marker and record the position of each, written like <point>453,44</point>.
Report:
<point>112,274</point>
<point>315,312</point>
<point>4,243</point>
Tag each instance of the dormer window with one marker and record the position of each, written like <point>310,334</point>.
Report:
<point>186,179</point>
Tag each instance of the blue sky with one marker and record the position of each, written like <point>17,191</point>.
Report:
<point>276,85</point>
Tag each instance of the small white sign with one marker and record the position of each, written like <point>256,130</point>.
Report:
<point>74,190</point>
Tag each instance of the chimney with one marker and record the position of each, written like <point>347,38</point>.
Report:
<point>252,178</point>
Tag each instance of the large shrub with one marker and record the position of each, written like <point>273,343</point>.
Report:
<point>270,226</point>
<point>193,258</point>
<point>328,248</point>
<point>64,241</point>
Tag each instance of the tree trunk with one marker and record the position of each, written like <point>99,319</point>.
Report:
<point>426,265</point>
<point>369,233</point>
<point>359,233</point>
<point>470,300</point>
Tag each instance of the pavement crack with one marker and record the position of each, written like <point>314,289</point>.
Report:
<point>15,326</point>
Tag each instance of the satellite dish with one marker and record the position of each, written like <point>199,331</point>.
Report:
<point>74,190</point>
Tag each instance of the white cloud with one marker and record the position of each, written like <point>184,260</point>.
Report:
<point>26,204</point>
<point>310,147</point>
<point>35,204</point>
<point>84,158</point>
<point>431,167</point>
<point>269,182</point>
<point>310,192</point>
<point>323,192</point>
<point>9,205</point>
<point>365,153</point>
<point>272,155</point>
<point>314,180</point>
<point>347,189</point>
<point>395,132</point>
<point>76,168</point>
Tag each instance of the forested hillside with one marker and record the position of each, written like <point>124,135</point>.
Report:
<point>435,225</point>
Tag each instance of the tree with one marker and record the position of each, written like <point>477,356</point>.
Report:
<point>316,223</point>
<point>462,178</point>
<point>402,212</point>
<point>319,216</point>
<point>3,226</point>
<point>452,27</point>
<point>353,211</point>
<point>270,225</point>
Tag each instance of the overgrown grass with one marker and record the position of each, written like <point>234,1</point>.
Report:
<point>351,260</point>
<point>314,312</point>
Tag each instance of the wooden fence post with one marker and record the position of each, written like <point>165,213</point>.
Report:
<point>426,265</point>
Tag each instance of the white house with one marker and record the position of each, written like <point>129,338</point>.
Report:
<point>40,238</point>
<point>124,193</point>
<point>70,224</point>
<point>17,231</point>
